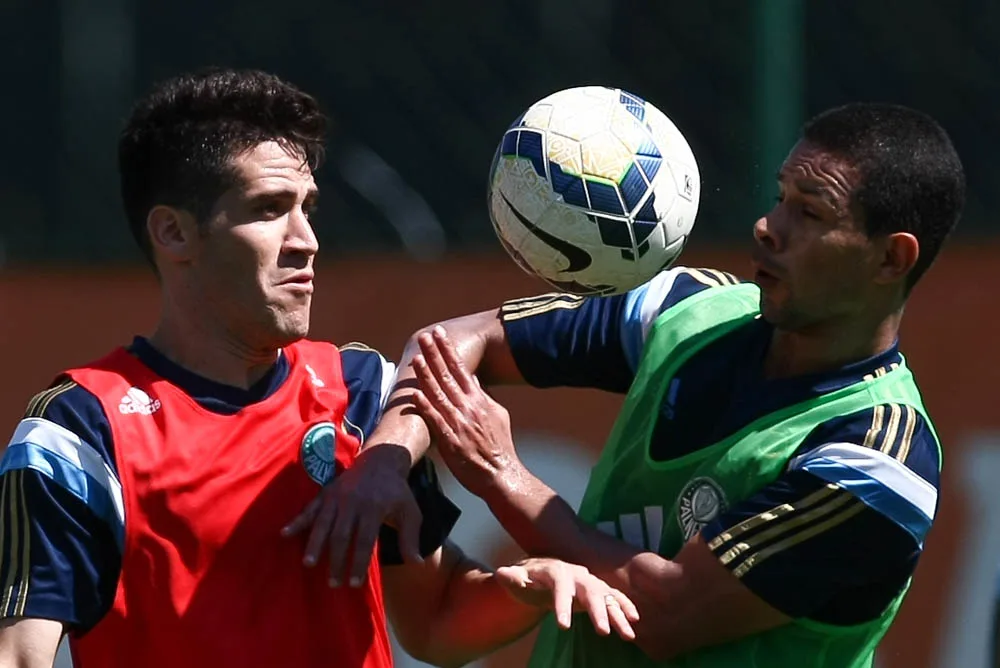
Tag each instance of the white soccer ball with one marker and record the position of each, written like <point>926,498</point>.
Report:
<point>593,190</point>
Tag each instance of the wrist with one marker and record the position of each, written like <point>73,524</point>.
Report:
<point>387,456</point>
<point>509,479</point>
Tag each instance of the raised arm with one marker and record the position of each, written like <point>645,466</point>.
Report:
<point>814,543</point>
<point>481,341</point>
<point>548,340</point>
<point>376,489</point>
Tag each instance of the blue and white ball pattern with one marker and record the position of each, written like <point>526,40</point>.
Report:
<point>594,190</point>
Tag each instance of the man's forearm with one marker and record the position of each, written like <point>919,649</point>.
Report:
<point>543,524</point>
<point>400,424</point>
<point>687,602</point>
<point>451,610</point>
<point>479,617</point>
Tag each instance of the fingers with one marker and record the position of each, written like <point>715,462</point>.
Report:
<point>431,388</point>
<point>628,607</point>
<point>338,542</point>
<point>573,589</point>
<point>365,533</point>
<point>431,349</point>
<point>408,524</point>
<point>347,515</point>
<point>364,548</point>
<point>441,430</point>
<point>304,520</point>
<point>617,616</point>
<point>320,529</point>
<point>562,601</point>
<point>597,608</point>
<point>466,381</point>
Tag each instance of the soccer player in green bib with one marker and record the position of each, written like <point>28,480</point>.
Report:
<point>770,481</point>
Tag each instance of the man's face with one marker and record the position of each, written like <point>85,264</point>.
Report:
<point>254,262</point>
<point>814,262</point>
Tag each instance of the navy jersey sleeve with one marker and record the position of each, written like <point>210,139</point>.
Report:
<point>369,378</point>
<point>560,339</point>
<point>61,514</point>
<point>837,536</point>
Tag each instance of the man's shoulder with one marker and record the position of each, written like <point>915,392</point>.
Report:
<point>669,288</point>
<point>65,439</point>
<point>60,481</point>
<point>369,379</point>
<point>665,291</point>
<point>351,350</point>
<point>64,418</point>
<point>886,455</point>
<point>357,347</point>
<point>896,430</point>
<point>360,361</point>
<point>61,392</point>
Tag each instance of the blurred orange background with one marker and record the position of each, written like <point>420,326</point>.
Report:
<point>53,320</point>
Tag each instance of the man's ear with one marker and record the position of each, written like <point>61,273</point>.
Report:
<point>900,251</point>
<point>172,233</point>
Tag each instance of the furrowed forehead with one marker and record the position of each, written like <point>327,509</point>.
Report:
<point>815,172</point>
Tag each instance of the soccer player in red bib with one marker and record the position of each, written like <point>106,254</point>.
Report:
<point>143,495</point>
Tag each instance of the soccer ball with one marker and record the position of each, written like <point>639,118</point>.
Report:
<point>593,190</point>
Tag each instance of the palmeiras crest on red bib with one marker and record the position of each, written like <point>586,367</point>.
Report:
<point>319,449</point>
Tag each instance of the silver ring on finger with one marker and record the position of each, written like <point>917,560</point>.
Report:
<point>611,602</point>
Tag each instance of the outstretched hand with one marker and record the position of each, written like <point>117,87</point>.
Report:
<point>567,588</point>
<point>470,430</point>
<point>348,513</point>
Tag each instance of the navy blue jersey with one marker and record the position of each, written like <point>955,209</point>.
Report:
<point>61,522</point>
<point>836,561</point>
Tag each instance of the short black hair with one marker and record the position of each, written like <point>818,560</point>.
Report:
<point>179,142</point>
<point>911,178</point>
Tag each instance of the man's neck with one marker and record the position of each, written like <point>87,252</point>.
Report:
<point>211,354</point>
<point>828,347</point>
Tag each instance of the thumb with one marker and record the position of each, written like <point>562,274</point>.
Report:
<point>410,519</point>
<point>513,577</point>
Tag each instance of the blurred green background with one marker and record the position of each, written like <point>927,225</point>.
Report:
<point>421,92</point>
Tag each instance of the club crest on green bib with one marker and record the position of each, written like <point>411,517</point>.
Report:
<point>701,501</point>
<point>319,449</point>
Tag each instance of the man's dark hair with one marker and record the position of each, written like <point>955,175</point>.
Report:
<point>911,178</point>
<point>178,145</point>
